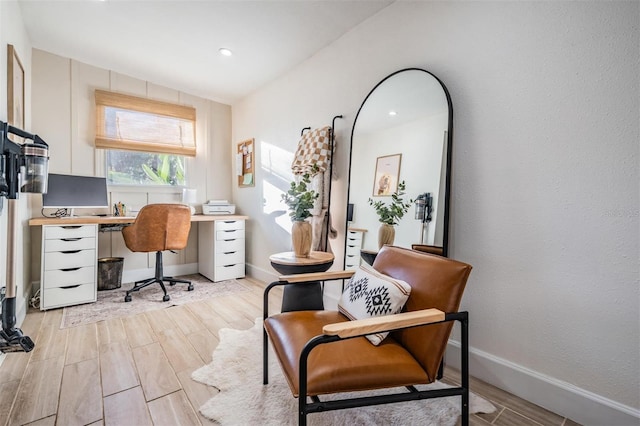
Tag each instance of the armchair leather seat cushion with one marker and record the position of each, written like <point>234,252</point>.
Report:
<point>348,365</point>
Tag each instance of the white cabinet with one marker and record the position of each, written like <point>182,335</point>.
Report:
<point>221,249</point>
<point>354,244</point>
<point>68,268</point>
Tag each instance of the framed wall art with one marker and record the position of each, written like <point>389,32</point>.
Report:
<point>386,176</point>
<point>15,88</point>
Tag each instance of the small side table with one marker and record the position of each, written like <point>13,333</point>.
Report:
<point>301,297</point>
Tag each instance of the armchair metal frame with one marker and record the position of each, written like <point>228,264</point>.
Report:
<point>352,329</point>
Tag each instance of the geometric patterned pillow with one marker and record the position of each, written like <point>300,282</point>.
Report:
<point>372,294</point>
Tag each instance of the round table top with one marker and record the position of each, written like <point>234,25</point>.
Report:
<point>289,258</point>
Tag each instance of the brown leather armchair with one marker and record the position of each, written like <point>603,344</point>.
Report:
<point>322,352</point>
<point>158,227</point>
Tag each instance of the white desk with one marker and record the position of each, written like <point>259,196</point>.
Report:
<point>69,254</point>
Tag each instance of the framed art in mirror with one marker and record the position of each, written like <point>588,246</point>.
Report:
<point>386,176</point>
<point>15,88</point>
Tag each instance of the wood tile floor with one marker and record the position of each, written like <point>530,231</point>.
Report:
<point>137,370</point>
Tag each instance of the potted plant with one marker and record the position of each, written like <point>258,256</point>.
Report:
<point>390,215</point>
<point>299,198</point>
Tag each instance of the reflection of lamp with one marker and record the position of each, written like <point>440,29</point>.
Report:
<point>189,198</point>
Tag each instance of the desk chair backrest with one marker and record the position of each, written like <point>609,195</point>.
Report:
<point>436,282</point>
<point>159,227</point>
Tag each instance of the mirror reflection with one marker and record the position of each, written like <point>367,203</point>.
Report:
<point>402,133</point>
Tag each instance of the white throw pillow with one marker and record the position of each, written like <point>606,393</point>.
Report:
<point>372,294</point>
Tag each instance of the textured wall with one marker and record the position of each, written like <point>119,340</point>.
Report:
<point>545,178</point>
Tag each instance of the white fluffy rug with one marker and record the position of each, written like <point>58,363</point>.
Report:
<point>236,371</point>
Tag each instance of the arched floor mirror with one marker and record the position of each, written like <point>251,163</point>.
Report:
<point>402,133</point>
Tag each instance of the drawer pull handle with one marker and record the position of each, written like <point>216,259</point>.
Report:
<point>72,227</point>
<point>229,230</point>
<point>71,286</point>
<point>230,240</point>
<point>229,221</point>
<point>71,239</point>
<point>229,252</point>
<point>228,266</point>
<point>70,251</point>
<point>70,269</point>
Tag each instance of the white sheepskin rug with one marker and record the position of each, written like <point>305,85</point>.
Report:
<point>236,371</point>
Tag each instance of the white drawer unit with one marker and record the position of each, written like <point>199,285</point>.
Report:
<point>354,244</point>
<point>68,267</point>
<point>221,253</point>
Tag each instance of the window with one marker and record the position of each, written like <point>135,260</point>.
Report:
<point>145,168</point>
<point>147,141</point>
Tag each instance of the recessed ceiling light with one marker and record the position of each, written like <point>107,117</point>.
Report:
<point>225,52</point>
<point>393,113</point>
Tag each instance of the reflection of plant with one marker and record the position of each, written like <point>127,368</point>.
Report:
<point>392,213</point>
<point>299,199</point>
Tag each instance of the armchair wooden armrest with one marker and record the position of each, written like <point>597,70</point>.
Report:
<point>384,323</point>
<point>316,276</point>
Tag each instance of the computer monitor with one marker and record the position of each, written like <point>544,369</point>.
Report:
<point>72,192</point>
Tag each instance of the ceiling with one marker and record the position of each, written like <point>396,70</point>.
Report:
<point>174,43</point>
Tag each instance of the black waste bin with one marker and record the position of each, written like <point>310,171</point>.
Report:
<point>110,272</point>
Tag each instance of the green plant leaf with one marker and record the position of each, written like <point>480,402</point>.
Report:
<point>392,213</point>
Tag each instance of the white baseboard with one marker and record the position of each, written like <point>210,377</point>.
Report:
<point>563,398</point>
<point>261,274</point>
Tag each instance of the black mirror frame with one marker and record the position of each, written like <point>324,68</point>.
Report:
<point>447,195</point>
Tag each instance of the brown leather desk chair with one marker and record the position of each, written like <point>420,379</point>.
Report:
<point>322,352</point>
<point>158,227</point>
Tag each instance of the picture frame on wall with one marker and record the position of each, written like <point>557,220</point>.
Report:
<point>15,89</point>
<point>385,180</point>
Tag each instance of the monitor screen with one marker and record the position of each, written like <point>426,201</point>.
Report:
<point>67,191</point>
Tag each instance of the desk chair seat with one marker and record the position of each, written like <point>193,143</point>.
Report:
<point>158,227</point>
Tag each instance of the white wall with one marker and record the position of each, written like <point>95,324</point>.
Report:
<point>545,178</point>
<point>64,116</point>
<point>12,31</point>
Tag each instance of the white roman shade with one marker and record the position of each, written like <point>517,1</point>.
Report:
<point>127,122</point>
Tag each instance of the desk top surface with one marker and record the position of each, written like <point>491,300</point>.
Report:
<point>289,258</point>
<point>114,220</point>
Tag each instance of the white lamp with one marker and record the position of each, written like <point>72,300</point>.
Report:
<point>189,197</point>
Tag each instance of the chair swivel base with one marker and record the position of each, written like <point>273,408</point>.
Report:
<point>144,283</point>
<point>160,279</point>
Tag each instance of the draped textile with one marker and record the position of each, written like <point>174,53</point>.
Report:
<point>315,148</point>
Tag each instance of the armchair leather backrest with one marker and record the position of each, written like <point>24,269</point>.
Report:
<point>159,227</point>
<point>436,282</point>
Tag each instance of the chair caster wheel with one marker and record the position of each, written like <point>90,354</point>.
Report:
<point>172,283</point>
<point>190,288</point>
<point>165,298</point>
<point>127,298</point>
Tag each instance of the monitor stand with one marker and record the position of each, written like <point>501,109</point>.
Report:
<point>71,214</point>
